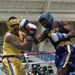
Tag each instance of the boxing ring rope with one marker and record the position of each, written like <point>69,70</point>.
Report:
<point>36,53</point>
<point>27,55</point>
<point>32,54</point>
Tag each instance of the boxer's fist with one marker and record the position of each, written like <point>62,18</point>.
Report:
<point>24,23</point>
<point>58,36</point>
<point>31,31</point>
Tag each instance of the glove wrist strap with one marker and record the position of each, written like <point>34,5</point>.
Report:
<point>29,38</point>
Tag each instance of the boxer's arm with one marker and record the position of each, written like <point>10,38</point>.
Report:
<point>41,37</point>
<point>67,27</point>
<point>25,45</point>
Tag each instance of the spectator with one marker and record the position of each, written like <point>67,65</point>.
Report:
<point>50,69</point>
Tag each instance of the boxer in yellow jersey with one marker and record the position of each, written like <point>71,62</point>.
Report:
<point>15,41</point>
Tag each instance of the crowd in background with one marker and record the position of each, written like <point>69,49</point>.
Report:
<point>38,70</point>
<point>42,70</point>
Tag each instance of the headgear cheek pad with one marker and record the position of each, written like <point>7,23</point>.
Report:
<point>12,22</point>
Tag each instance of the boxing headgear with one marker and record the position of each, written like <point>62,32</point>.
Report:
<point>12,22</point>
<point>46,19</point>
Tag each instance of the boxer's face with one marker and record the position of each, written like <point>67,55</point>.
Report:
<point>15,28</point>
<point>43,22</point>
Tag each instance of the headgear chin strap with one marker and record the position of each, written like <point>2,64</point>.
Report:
<point>12,22</point>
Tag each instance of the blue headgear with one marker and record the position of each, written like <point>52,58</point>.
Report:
<point>46,19</point>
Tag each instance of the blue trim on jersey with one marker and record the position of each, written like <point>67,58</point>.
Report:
<point>10,66</point>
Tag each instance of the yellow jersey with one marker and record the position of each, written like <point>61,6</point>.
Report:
<point>9,49</point>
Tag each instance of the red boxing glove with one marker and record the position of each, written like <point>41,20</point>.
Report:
<point>31,31</point>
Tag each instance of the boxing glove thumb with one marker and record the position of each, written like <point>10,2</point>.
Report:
<point>24,23</point>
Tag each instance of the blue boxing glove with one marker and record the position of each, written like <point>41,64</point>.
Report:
<point>24,23</point>
<point>58,36</point>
